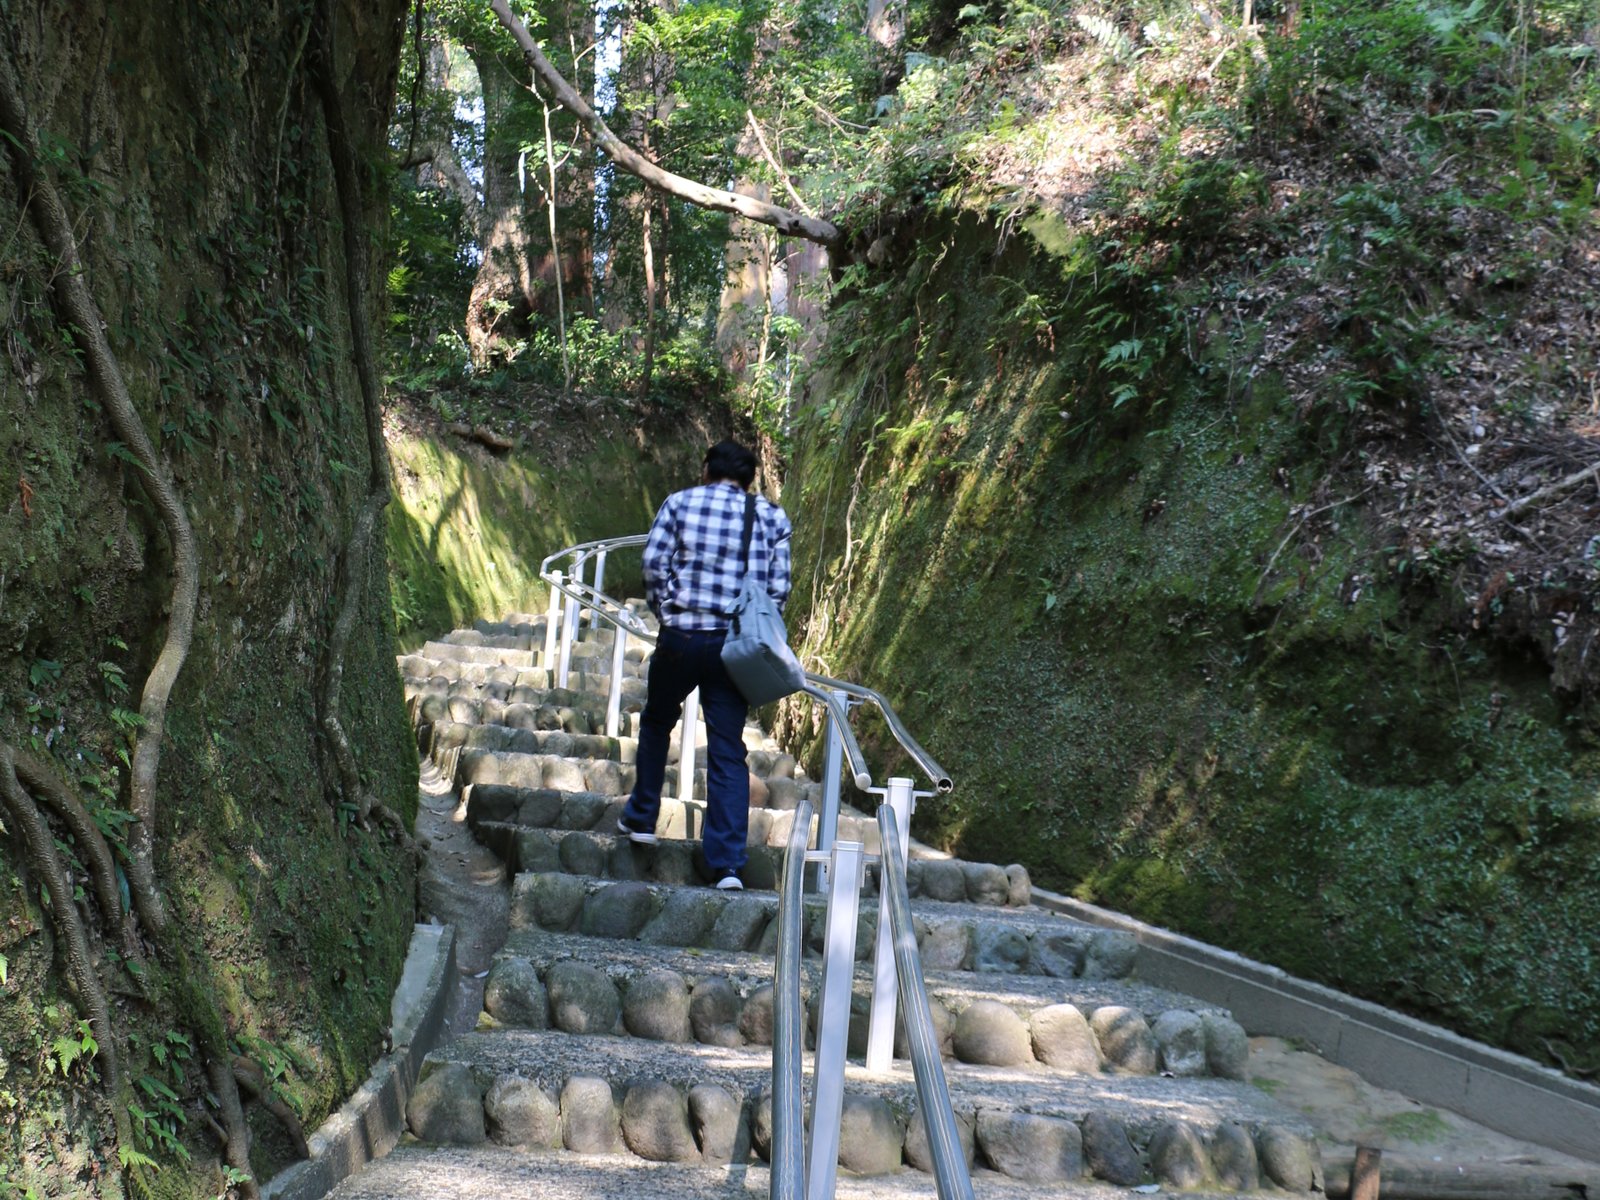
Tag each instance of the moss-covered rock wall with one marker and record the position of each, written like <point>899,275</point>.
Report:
<point>471,524</point>
<point>1174,662</point>
<point>190,149</point>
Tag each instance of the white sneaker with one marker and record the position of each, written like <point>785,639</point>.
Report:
<point>730,882</point>
<point>638,837</point>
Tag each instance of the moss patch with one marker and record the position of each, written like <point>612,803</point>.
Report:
<point>1175,668</point>
<point>469,528</point>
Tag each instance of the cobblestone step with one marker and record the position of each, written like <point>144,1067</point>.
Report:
<point>589,657</point>
<point>535,840</point>
<point>467,767</point>
<point>452,677</point>
<point>955,937</point>
<point>414,1172</point>
<point>597,1093</point>
<point>721,998</point>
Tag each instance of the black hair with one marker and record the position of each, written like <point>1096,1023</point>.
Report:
<point>730,460</point>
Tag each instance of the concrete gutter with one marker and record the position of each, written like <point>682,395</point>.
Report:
<point>1510,1094</point>
<point>371,1121</point>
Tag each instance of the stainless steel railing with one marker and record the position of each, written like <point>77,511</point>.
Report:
<point>950,1173</point>
<point>800,1172</point>
<point>788,1021</point>
<point>570,583</point>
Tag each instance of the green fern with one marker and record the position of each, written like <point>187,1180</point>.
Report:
<point>1106,35</point>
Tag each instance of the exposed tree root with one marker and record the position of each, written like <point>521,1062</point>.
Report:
<point>81,315</point>
<point>249,1075</point>
<point>236,1140</point>
<point>47,785</point>
<point>39,852</point>
<point>353,569</point>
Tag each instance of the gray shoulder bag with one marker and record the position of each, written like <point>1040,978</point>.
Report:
<point>756,652</point>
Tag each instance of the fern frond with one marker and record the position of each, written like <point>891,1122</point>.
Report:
<point>1106,35</point>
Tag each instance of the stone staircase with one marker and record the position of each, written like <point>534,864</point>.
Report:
<point>625,1037</point>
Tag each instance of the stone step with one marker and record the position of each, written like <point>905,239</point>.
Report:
<point>594,669</point>
<point>725,999</point>
<point>683,1102</point>
<point>519,735</point>
<point>591,654</point>
<point>574,732</point>
<point>474,1172</point>
<point>541,843</point>
<point>510,638</point>
<point>431,711</point>
<point>950,937</point>
<point>567,773</point>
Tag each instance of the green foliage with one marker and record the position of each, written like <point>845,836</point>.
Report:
<point>73,1043</point>
<point>427,286</point>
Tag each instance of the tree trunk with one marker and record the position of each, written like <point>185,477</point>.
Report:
<point>502,296</point>
<point>568,25</point>
<point>886,25</point>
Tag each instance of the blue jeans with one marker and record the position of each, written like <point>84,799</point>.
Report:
<point>685,660</point>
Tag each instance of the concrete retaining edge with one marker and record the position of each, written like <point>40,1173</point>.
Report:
<point>1505,1092</point>
<point>368,1125</point>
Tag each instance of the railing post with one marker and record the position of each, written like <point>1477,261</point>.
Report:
<point>789,1019</point>
<point>569,633</point>
<point>619,649</point>
<point>880,1030</point>
<point>547,660</point>
<point>599,586</point>
<point>686,739</point>
<point>833,1020</point>
<point>832,770</point>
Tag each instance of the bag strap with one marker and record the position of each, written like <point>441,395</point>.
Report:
<point>744,552</point>
<point>744,540</point>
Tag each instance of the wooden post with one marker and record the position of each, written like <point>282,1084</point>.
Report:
<point>1364,1174</point>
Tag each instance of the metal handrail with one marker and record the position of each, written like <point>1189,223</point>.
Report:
<point>950,1173</point>
<point>789,1179</point>
<point>788,1107</point>
<point>595,601</point>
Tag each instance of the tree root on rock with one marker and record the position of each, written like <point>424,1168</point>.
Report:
<point>81,315</point>
<point>47,785</point>
<point>249,1075</point>
<point>41,856</point>
<point>353,569</point>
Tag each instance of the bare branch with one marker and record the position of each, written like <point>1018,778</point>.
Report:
<point>1559,487</point>
<point>783,176</point>
<point>812,229</point>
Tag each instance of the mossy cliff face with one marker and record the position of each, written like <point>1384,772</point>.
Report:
<point>189,148</point>
<point>470,526</point>
<point>1175,668</point>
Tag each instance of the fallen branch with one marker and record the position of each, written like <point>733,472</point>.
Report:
<point>480,434</point>
<point>1288,537</point>
<point>1549,491</point>
<point>81,315</point>
<point>786,221</point>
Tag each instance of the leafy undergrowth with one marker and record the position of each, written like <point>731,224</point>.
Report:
<point>1198,469</point>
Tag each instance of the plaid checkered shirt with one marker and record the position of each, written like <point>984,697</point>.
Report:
<point>691,560</point>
